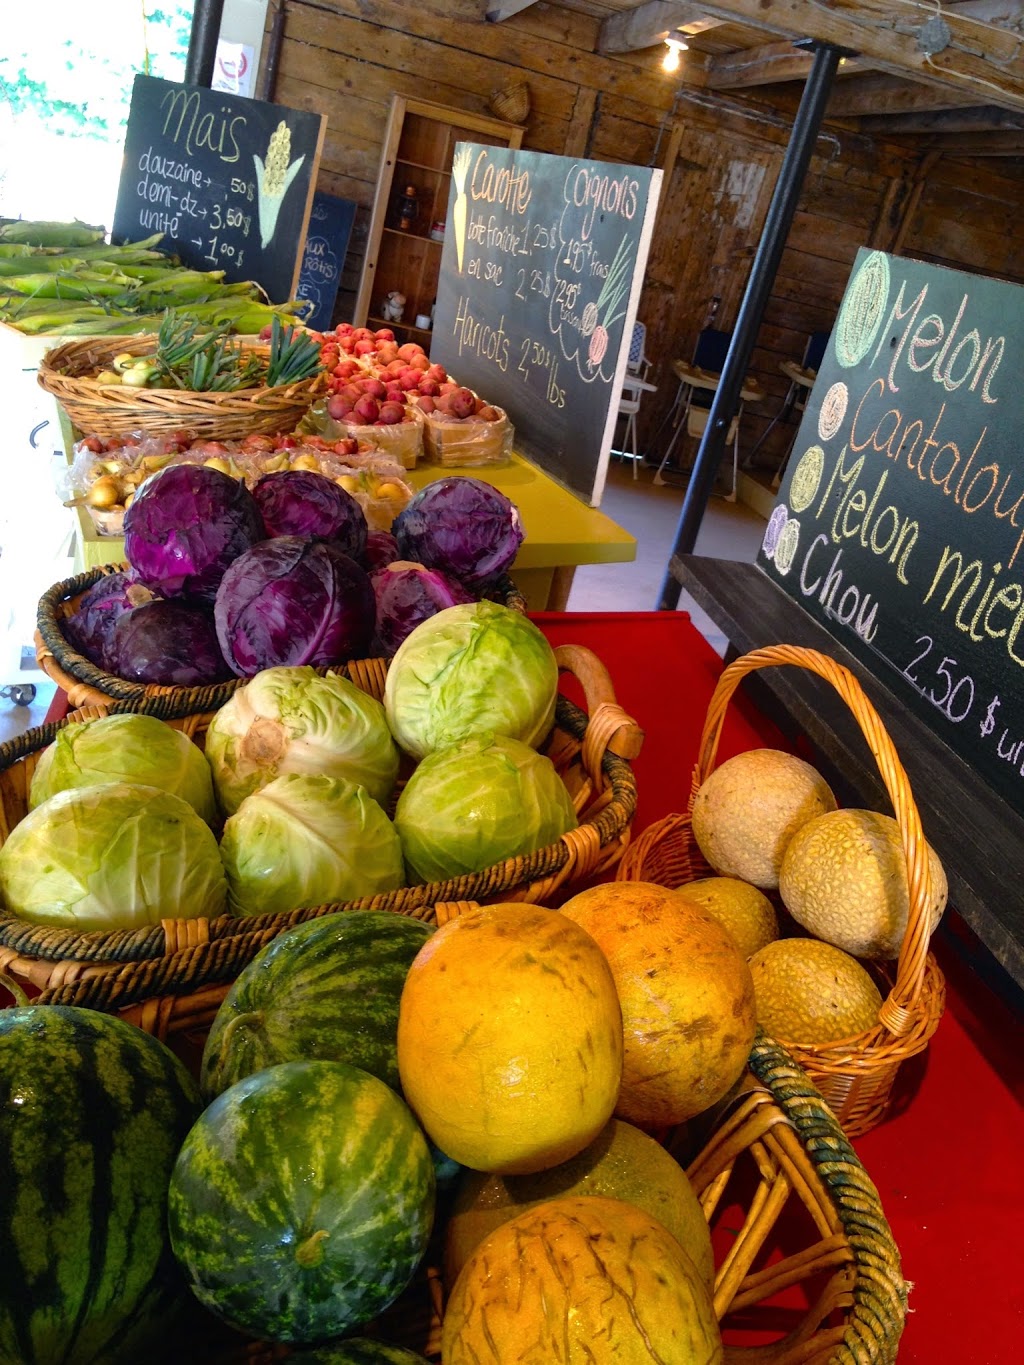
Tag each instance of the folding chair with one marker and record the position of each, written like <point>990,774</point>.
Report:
<point>634,386</point>
<point>801,380</point>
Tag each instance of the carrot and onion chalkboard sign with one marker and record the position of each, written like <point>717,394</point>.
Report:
<point>228,181</point>
<point>900,522</point>
<point>540,275</point>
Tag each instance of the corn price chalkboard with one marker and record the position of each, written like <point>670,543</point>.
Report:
<point>900,521</point>
<point>228,181</point>
<point>540,275</point>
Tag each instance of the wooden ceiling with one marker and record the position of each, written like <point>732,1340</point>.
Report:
<point>948,77</point>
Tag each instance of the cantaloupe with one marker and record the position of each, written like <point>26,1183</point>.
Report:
<point>844,879</point>
<point>809,992</point>
<point>580,1281</point>
<point>621,1163</point>
<point>748,809</point>
<point>510,1039</point>
<point>686,996</point>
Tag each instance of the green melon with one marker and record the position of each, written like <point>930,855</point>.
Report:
<point>92,1113</point>
<point>301,1202</point>
<point>359,1351</point>
<point>328,989</point>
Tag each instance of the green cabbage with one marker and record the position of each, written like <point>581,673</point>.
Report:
<point>130,748</point>
<point>478,802</point>
<point>292,720</point>
<point>307,839</point>
<point>475,669</point>
<point>114,856</point>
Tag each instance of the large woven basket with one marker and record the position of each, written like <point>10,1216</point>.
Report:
<point>855,1075</point>
<point>88,685</point>
<point>590,750</point>
<point>115,409</point>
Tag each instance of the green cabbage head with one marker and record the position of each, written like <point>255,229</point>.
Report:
<point>478,668</point>
<point>130,748</point>
<point>478,802</point>
<point>308,839</point>
<point>292,720</point>
<point>113,856</point>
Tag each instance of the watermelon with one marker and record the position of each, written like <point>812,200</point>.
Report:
<point>92,1113</point>
<point>302,1200</point>
<point>359,1351</point>
<point>326,990</point>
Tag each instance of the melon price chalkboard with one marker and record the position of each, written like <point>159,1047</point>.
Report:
<point>540,275</point>
<point>228,180</point>
<point>900,522</point>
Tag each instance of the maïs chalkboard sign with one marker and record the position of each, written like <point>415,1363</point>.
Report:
<point>540,275</point>
<point>900,521</point>
<point>229,181</point>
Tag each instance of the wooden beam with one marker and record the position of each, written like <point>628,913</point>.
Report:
<point>967,145</point>
<point>765,65</point>
<point>649,24</point>
<point>497,10</point>
<point>978,119</point>
<point>980,59</point>
<point>871,94</point>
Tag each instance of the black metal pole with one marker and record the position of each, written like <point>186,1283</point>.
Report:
<point>202,45</point>
<point>755,299</point>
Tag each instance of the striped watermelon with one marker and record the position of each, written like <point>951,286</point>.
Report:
<point>92,1113</point>
<point>302,1200</point>
<point>359,1351</point>
<point>327,989</point>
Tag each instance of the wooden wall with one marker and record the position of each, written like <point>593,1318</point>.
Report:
<point>346,58</point>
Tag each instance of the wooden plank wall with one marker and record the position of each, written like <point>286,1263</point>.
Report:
<point>346,58</point>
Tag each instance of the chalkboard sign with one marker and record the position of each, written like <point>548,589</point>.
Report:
<point>540,275</point>
<point>900,521</point>
<point>227,180</point>
<point>330,226</point>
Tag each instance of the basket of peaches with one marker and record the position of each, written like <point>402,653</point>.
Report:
<point>392,397</point>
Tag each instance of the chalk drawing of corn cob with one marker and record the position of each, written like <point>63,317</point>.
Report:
<point>613,291</point>
<point>460,169</point>
<point>273,179</point>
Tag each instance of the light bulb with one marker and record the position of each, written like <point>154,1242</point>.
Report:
<point>673,47</point>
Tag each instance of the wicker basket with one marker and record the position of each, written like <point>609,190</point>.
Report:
<point>855,1075</point>
<point>88,685</point>
<point>116,409</point>
<point>511,102</point>
<point>590,751</point>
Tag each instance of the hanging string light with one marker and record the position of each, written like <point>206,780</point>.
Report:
<point>673,47</point>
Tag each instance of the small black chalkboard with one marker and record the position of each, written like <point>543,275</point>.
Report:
<point>900,522</point>
<point>330,226</point>
<point>540,275</point>
<point>228,180</point>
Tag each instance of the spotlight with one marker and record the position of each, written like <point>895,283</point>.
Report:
<point>673,47</point>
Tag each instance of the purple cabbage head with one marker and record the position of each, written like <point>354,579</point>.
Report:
<point>408,594</point>
<point>169,642</point>
<point>381,549</point>
<point>300,502</point>
<point>185,525</point>
<point>463,527</point>
<point>91,628</point>
<point>293,600</point>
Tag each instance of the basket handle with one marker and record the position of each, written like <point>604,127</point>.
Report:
<point>609,727</point>
<point>894,1013</point>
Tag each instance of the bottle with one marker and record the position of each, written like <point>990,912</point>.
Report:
<point>408,202</point>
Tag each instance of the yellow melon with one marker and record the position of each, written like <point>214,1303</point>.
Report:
<point>747,810</point>
<point>580,1281</point>
<point>621,1163</point>
<point>686,995</point>
<point>745,911</point>
<point>844,879</point>
<point>809,992</point>
<point>510,1039</point>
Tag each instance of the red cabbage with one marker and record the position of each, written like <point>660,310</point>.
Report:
<point>169,642</point>
<point>381,549</point>
<point>463,527</point>
<point>300,502</point>
<point>91,628</point>
<point>185,525</point>
<point>293,600</point>
<point>406,595</point>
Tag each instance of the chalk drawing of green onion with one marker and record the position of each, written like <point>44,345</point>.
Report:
<point>613,291</point>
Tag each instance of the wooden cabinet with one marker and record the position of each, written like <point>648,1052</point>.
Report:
<point>403,251</point>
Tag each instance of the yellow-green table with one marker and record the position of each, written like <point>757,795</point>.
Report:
<point>560,531</point>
